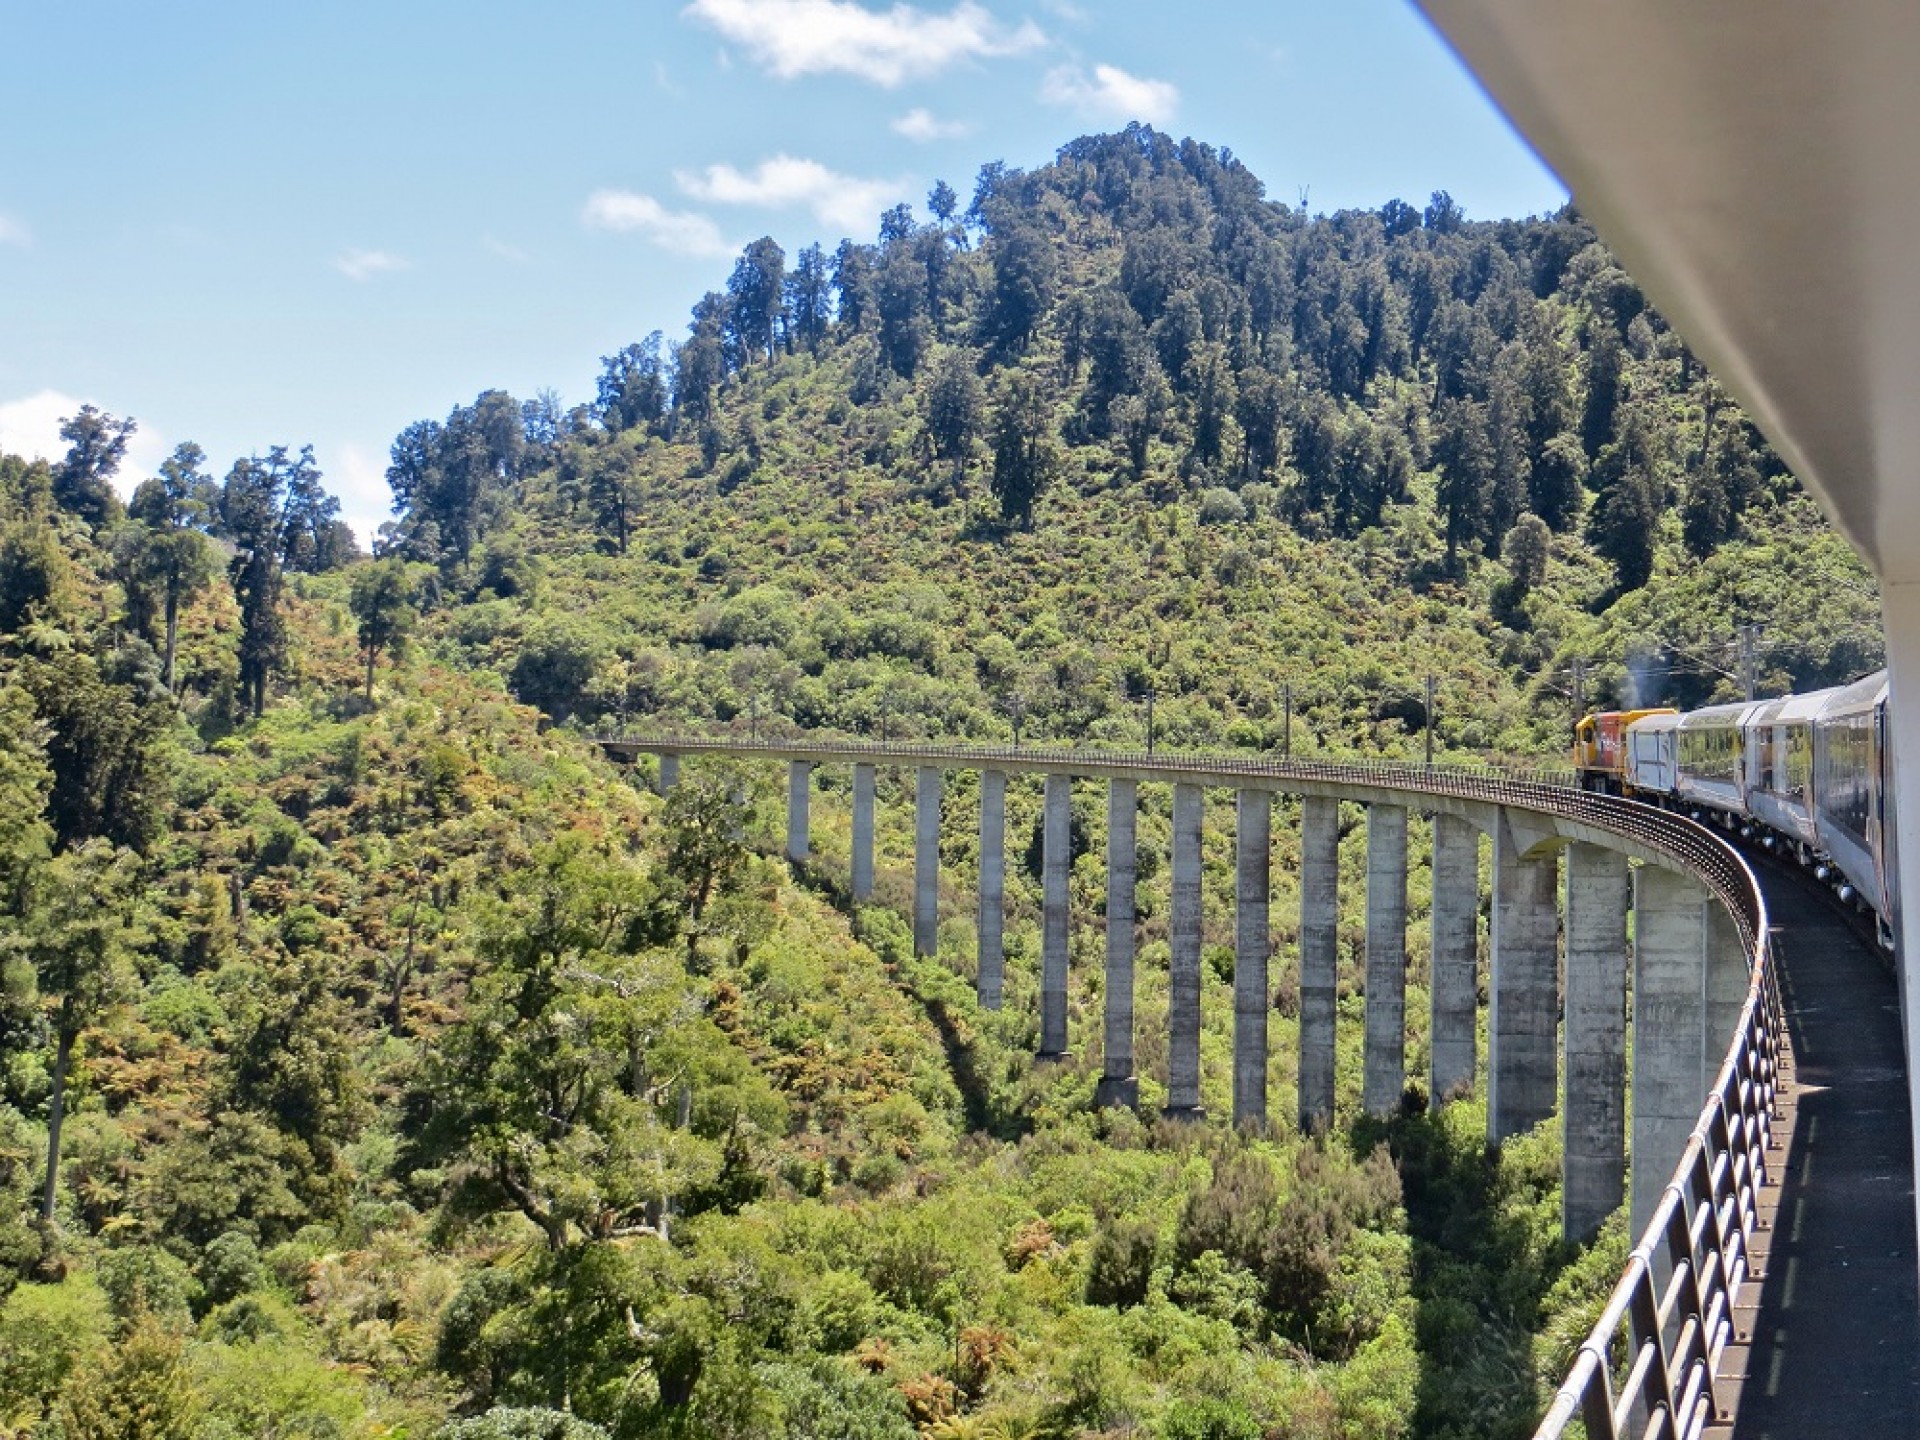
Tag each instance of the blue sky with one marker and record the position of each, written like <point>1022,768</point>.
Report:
<point>249,224</point>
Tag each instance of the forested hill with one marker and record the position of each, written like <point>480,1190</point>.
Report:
<point>379,1061</point>
<point>1124,425</point>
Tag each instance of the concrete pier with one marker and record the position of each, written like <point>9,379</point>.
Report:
<point>1523,1028</point>
<point>1670,1065</point>
<point>799,793</point>
<point>1252,940</point>
<point>1118,1085</point>
<point>1385,1075</point>
<point>1183,983</point>
<point>1727,975</point>
<point>862,834</point>
<point>926,859</point>
<point>669,773</point>
<point>1455,979</point>
<point>1056,864</point>
<point>1319,956</point>
<point>991,982</point>
<point>1594,1163</point>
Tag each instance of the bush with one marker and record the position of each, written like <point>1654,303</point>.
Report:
<point>1120,1269</point>
<point>508,1424</point>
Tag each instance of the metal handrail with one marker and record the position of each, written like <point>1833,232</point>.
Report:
<point>1650,1365</point>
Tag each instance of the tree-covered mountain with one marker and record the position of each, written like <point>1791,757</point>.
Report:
<point>377,1060</point>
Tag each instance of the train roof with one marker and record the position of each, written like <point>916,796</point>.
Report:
<point>1790,709</point>
<point>1720,717</point>
<point>1658,721</point>
<point>1863,694</point>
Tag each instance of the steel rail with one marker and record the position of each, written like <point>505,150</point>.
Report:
<point>1650,1365</point>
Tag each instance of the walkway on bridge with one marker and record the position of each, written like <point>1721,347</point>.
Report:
<point>1836,1331</point>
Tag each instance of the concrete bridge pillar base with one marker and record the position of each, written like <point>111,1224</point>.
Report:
<point>1252,939</point>
<point>799,794</point>
<point>862,834</point>
<point>1055,871</point>
<point>1385,1073</point>
<point>1523,1028</point>
<point>1594,1160</point>
<point>1113,1093</point>
<point>1117,1084</point>
<point>1319,956</point>
<point>1183,982</point>
<point>926,859</point>
<point>1456,945</point>
<point>992,951</point>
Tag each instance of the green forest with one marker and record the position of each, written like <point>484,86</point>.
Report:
<point>377,1059</point>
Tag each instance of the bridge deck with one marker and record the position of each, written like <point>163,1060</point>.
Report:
<point>1834,1318</point>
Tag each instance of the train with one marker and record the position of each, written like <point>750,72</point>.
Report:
<point>1807,776</point>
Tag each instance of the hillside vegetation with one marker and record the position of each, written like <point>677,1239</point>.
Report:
<point>408,1070</point>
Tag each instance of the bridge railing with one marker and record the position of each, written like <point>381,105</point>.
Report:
<point>1650,1365</point>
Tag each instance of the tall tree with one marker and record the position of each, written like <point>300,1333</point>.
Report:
<point>956,408</point>
<point>96,446</point>
<point>80,936</point>
<point>250,511</point>
<point>755,294</point>
<point>1025,456</point>
<point>382,600</point>
<point>809,299</point>
<point>1466,459</point>
<point>170,551</point>
<point>633,387</point>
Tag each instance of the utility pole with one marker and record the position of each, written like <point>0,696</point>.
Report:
<point>1579,688</point>
<point>1150,693</point>
<point>1749,659</point>
<point>753,718</point>
<point>1286,732</point>
<point>1429,722</point>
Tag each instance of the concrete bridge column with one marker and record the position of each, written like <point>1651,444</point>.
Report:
<point>862,834</point>
<point>1385,1074</point>
<point>1594,1163</point>
<point>1117,1083</point>
<point>992,948</point>
<point>1056,861</point>
<point>669,773</point>
<point>1319,955</point>
<point>926,859</point>
<point>1454,983</point>
<point>1670,1066</point>
<point>1183,983</point>
<point>1252,940</point>
<point>1727,975</point>
<point>799,793</point>
<point>1524,1025</point>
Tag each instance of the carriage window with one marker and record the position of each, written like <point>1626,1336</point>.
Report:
<point>1799,761</point>
<point>1844,774</point>
<point>1710,754</point>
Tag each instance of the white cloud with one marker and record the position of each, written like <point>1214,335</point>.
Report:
<point>1110,93</point>
<point>923,125</point>
<point>685,232</point>
<point>843,201</point>
<point>30,426</point>
<point>888,47</point>
<point>13,232</point>
<point>365,264</point>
